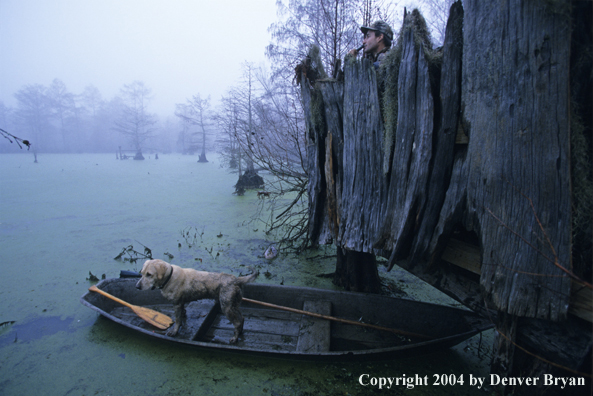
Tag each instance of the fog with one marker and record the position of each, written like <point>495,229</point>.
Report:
<point>176,48</point>
<point>96,76</point>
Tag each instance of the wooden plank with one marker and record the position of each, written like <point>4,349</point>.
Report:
<point>253,340</point>
<point>202,329</point>
<point>464,255</point>
<point>268,313</point>
<point>260,325</point>
<point>263,330</point>
<point>314,333</point>
<point>196,315</point>
<point>581,302</point>
<point>368,338</point>
<point>467,256</point>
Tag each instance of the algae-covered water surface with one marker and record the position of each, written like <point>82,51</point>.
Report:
<point>70,215</point>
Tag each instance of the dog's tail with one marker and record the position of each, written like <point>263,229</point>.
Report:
<point>248,278</point>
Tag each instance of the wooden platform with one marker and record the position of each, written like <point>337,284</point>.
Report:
<point>467,256</point>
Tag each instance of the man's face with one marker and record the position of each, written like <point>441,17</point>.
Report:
<point>371,41</point>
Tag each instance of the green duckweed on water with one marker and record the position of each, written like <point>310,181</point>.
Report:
<point>69,215</point>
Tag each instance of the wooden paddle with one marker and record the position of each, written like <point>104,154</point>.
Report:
<point>153,317</point>
<point>352,322</point>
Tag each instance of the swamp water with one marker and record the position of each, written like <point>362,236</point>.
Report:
<point>69,215</point>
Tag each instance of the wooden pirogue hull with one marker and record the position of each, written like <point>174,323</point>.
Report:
<point>274,332</point>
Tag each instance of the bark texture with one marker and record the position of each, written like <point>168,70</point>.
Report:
<point>515,173</point>
<point>387,176</point>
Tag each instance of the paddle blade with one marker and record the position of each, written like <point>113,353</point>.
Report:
<point>153,317</point>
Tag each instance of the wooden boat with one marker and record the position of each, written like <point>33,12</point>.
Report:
<point>275,332</point>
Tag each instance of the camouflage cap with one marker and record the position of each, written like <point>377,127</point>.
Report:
<point>379,26</point>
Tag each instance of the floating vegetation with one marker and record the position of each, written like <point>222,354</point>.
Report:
<point>94,278</point>
<point>190,235</point>
<point>134,255</point>
<point>4,326</point>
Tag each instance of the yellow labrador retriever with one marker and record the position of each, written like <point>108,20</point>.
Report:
<point>183,285</point>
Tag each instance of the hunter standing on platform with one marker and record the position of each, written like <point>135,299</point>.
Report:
<point>376,42</point>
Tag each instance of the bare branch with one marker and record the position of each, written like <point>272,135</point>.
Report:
<point>11,138</point>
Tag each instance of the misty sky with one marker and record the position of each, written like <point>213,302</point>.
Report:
<point>178,48</point>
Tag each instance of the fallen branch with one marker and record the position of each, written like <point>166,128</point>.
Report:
<point>18,140</point>
<point>134,255</point>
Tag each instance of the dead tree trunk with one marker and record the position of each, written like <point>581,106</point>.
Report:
<point>406,199</point>
<point>515,108</point>
<point>357,271</point>
<point>314,107</point>
<point>473,140</point>
<point>344,183</point>
<point>362,180</point>
<point>510,177</point>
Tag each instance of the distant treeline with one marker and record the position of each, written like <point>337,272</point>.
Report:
<point>56,120</point>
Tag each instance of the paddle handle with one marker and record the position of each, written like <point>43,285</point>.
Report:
<point>122,302</point>
<point>320,316</point>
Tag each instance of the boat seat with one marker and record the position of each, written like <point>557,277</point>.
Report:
<point>200,315</point>
<point>314,333</point>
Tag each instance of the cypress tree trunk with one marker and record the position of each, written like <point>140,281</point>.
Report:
<point>357,271</point>
<point>472,141</point>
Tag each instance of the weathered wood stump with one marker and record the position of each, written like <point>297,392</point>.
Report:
<point>249,180</point>
<point>468,144</point>
<point>357,271</point>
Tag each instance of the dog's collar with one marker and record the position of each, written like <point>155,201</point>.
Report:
<point>167,280</point>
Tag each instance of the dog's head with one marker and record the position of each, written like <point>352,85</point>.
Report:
<point>153,274</point>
